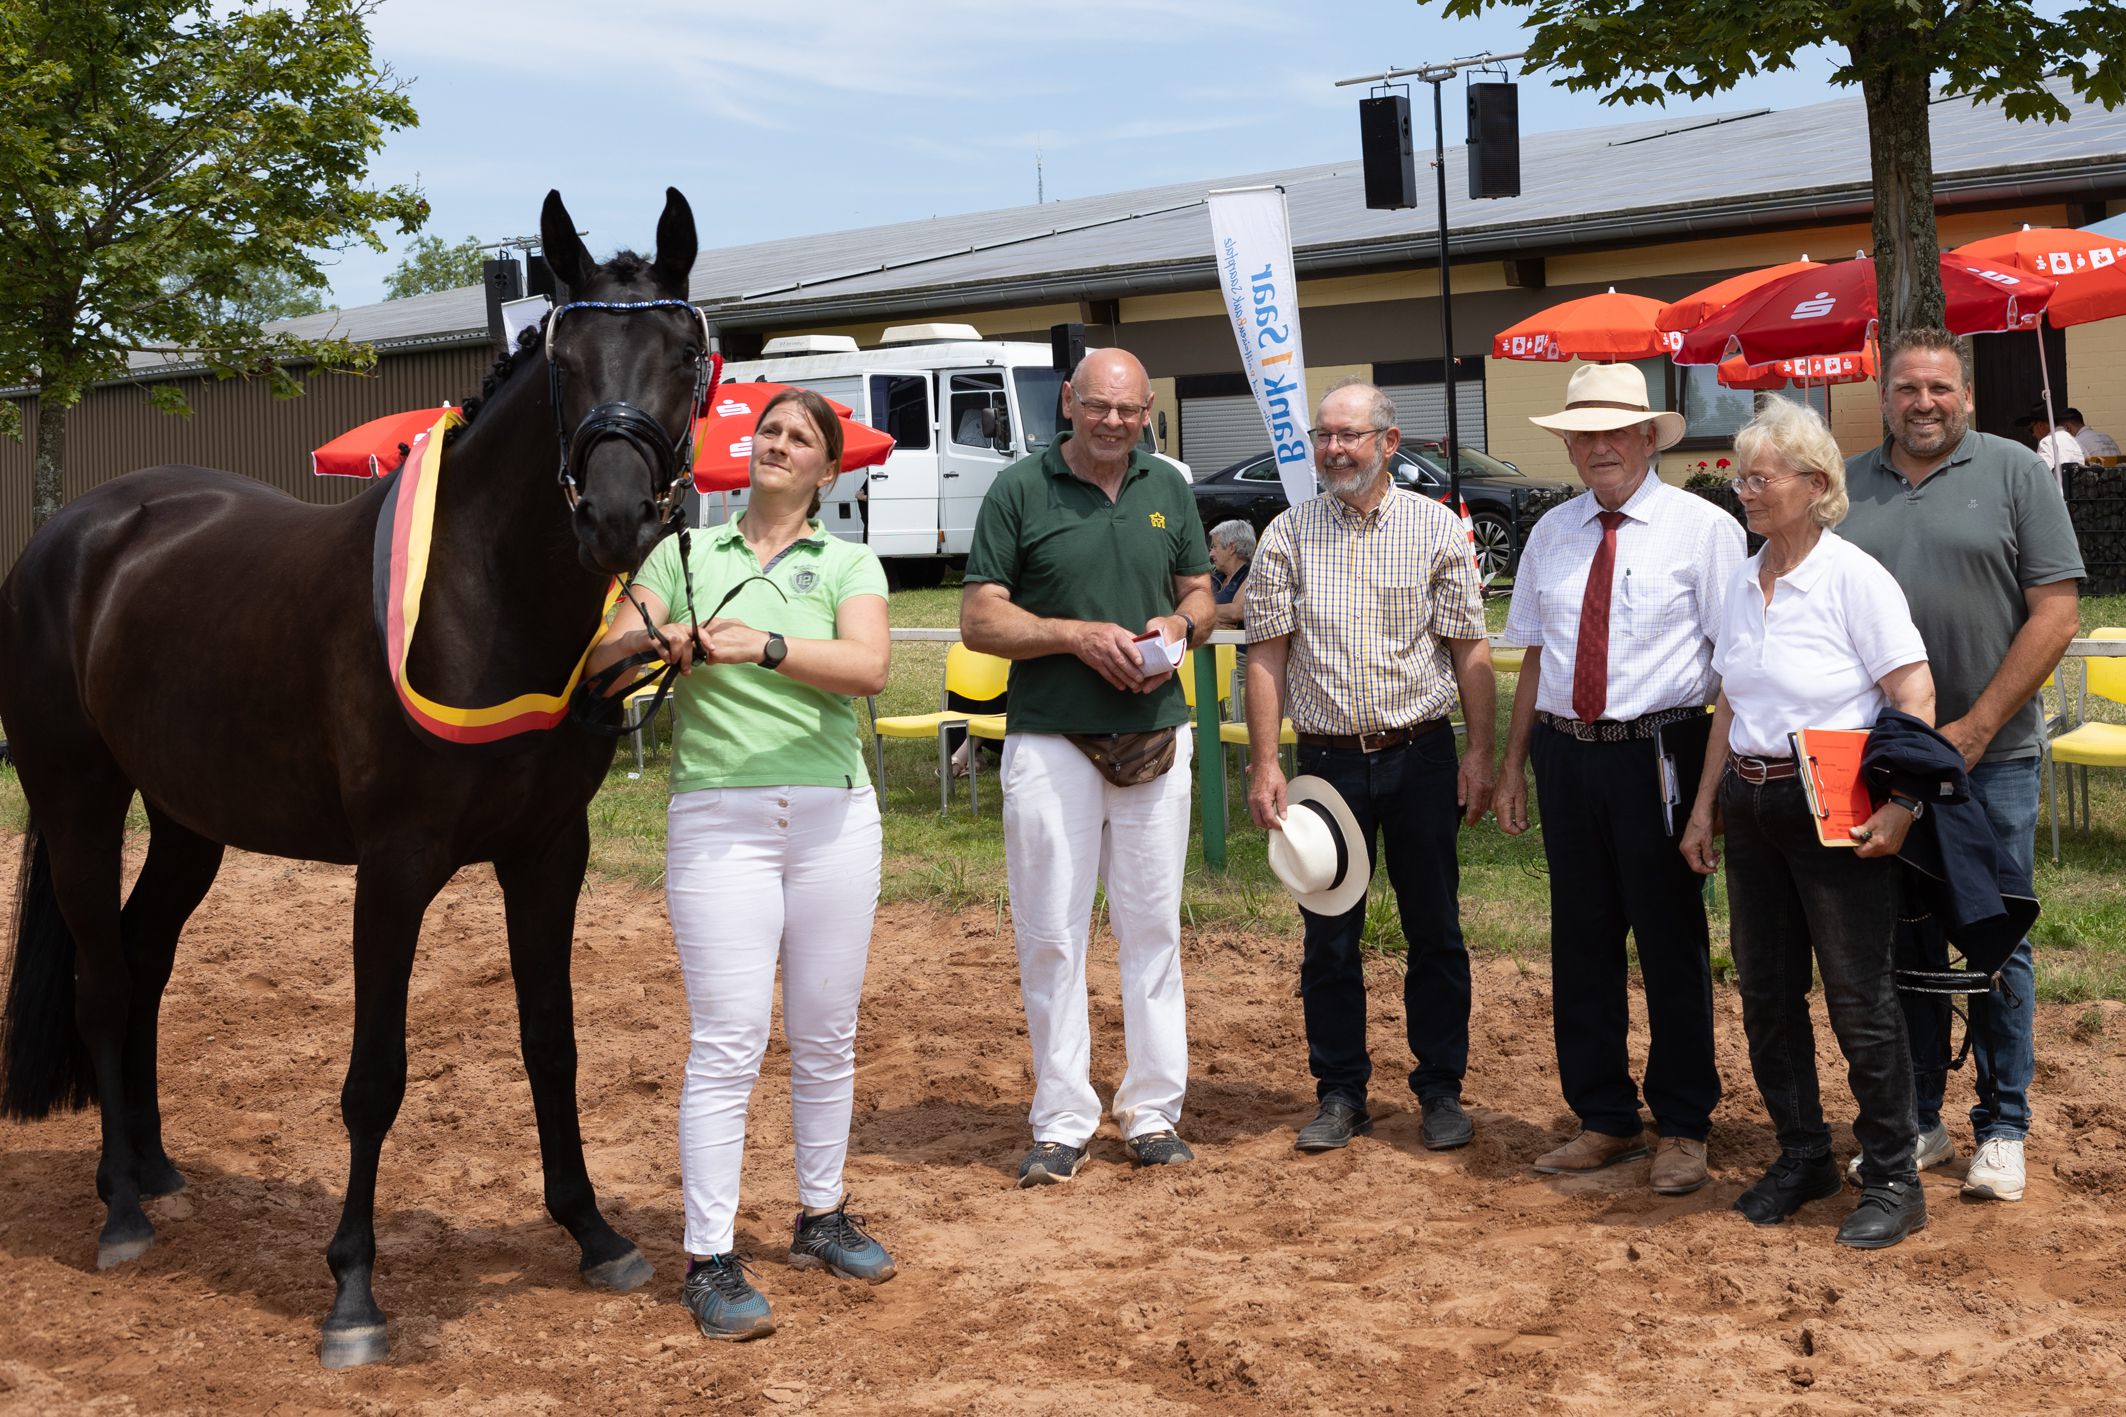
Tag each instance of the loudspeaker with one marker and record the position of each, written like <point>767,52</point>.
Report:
<point>1494,140</point>
<point>1066,344</point>
<point>504,281</point>
<point>1391,165</point>
<point>539,278</point>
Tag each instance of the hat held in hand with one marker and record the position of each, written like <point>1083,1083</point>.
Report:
<point>1320,856</point>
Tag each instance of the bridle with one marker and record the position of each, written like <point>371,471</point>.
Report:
<point>672,458</point>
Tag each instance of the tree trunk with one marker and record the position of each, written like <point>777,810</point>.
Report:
<point>1901,157</point>
<point>48,478</point>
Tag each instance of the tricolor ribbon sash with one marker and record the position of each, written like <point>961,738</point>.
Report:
<point>403,539</point>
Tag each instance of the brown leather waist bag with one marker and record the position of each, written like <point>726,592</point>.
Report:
<point>1128,759</point>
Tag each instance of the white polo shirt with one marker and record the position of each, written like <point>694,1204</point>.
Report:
<point>1676,554</point>
<point>1815,657</point>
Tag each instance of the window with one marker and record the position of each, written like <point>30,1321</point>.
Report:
<point>973,395</point>
<point>1713,412</point>
<point>900,408</point>
<point>1040,404</point>
<point>1263,471</point>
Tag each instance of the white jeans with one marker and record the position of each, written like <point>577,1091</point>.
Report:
<point>752,875</point>
<point>1065,826</point>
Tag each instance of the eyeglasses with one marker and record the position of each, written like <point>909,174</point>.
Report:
<point>1098,409</point>
<point>1335,438</point>
<point>1755,483</point>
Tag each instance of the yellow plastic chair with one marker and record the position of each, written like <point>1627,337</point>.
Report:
<point>968,673</point>
<point>2089,745</point>
<point>639,701</point>
<point>1507,659</point>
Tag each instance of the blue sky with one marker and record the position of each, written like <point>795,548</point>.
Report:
<point>803,116</point>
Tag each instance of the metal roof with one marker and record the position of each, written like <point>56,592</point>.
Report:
<point>1659,177</point>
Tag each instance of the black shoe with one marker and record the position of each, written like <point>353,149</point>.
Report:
<point>1791,1183</point>
<point>1049,1163</point>
<point>1888,1211</point>
<point>1333,1126</point>
<point>1446,1125</point>
<point>1159,1149</point>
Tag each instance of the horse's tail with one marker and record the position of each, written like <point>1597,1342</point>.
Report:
<point>43,1063</point>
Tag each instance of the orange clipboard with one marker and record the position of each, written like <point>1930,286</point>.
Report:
<point>1830,775</point>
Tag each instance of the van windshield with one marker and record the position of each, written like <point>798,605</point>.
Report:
<point>1041,408</point>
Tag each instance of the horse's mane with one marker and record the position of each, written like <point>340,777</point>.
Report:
<point>625,266</point>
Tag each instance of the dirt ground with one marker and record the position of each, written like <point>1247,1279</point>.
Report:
<point>1380,1279</point>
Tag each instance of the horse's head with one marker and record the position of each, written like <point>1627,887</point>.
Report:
<point>625,381</point>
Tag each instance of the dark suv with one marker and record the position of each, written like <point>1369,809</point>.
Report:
<point>1504,502</point>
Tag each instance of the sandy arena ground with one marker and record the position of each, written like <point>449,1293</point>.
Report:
<point>1379,1279</point>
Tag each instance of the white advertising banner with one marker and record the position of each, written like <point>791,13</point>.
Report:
<point>1252,241</point>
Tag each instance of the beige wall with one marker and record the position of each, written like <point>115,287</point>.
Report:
<point>2096,374</point>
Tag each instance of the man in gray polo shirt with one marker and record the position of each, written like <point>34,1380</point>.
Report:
<point>1974,529</point>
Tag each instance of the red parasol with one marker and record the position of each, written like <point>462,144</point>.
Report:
<point>2089,268</point>
<point>1738,373</point>
<point>723,437</point>
<point>376,447</point>
<point>1832,310</point>
<point>1700,306</point>
<point>1605,328</point>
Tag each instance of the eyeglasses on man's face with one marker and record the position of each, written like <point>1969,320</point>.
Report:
<point>1098,410</point>
<point>1338,438</point>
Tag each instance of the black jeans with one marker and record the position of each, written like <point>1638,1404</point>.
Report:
<point>1405,796</point>
<point>1614,869</point>
<point>1791,897</point>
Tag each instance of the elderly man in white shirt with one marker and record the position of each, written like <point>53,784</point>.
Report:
<point>1618,597</point>
<point>2056,446</point>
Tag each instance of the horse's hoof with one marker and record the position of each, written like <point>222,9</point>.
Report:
<point>352,1346</point>
<point>111,1253</point>
<point>630,1271</point>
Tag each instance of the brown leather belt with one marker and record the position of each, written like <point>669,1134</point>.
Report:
<point>1756,770</point>
<point>1609,730</point>
<point>1374,742</point>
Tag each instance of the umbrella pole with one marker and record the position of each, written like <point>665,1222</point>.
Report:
<point>2044,374</point>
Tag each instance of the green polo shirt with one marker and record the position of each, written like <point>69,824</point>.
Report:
<point>744,725</point>
<point>1065,552</point>
<point>1965,544</point>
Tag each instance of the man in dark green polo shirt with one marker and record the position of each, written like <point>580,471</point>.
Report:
<point>1974,529</point>
<point>1079,550</point>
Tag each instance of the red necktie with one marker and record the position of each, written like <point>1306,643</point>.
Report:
<point>1590,661</point>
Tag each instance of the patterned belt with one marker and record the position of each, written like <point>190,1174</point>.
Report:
<point>1609,730</point>
<point>1372,742</point>
<point>1758,770</point>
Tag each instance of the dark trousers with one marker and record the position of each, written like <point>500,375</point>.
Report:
<point>1405,796</point>
<point>1793,901</point>
<point>1614,869</point>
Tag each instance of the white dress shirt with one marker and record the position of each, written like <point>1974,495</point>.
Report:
<point>1676,555</point>
<point>1815,657</point>
<point>2058,447</point>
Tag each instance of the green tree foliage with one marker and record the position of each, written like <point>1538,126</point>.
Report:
<point>432,265</point>
<point>1895,51</point>
<point>163,162</point>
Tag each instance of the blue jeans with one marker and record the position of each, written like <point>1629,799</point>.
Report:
<point>2004,1023</point>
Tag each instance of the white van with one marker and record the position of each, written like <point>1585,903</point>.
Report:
<point>959,408</point>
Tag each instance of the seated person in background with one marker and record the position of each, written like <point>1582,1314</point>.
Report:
<point>1232,552</point>
<point>2094,444</point>
<point>2055,445</point>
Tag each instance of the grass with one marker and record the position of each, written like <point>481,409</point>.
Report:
<point>956,862</point>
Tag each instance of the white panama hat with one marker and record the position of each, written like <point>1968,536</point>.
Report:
<point>1320,856</point>
<point>1601,396</point>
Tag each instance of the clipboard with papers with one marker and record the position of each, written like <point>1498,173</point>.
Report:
<point>1830,775</point>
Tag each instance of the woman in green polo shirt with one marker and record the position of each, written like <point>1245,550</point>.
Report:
<point>772,844</point>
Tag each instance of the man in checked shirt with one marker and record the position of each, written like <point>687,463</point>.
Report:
<point>1365,620</point>
<point>1617,597</point>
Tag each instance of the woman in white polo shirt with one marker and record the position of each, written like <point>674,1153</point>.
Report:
<point>1815,634</point>
<point>772,843</point>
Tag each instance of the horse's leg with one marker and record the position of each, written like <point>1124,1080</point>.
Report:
<point>392,891</point>
<point>181,865</point>
<point>539,891</point>
<point>84,833</point>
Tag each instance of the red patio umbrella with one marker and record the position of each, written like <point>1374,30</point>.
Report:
<point>1700,306</point>
<point>1738,373</point>
<point>2089,268</point>
<point>723,436</point>
<point>374,448</point>
<point>1833,309</point>
<point>1605,328</point>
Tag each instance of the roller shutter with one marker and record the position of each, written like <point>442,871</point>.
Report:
<point>1216,432</point>
<point>1421,409</point>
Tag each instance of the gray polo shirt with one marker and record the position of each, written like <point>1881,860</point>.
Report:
<point>1965,544</point>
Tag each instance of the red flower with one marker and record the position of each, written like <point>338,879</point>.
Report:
<point>1721,463</point>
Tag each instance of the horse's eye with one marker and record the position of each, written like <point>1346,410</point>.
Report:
<point>690,355</point>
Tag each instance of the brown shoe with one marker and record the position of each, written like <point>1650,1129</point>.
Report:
<point>1679,1166</point>
<point>1591,1151</point>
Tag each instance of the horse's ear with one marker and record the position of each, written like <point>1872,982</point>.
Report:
<point>676,242</point>
<point>565,252</point>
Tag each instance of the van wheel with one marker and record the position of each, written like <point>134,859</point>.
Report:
<point>923,574</point>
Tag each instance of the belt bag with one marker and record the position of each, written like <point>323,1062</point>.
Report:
<point>1128,759</point>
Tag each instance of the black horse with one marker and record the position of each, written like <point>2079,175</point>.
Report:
<point>212,644</point>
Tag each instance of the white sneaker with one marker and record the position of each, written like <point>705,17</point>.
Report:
<point>1934,1148</point>
<point>1996,1173</point>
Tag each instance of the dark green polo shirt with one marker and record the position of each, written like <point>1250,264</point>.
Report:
<point>1965,544</point>
<point>1065,552</point>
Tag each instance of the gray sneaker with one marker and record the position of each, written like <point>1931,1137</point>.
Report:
<point>1159,1149</point>
<point>836,1242</point>
<point>1050,1163</point>
<point>724,1303</point>
<point>1934,1148</point>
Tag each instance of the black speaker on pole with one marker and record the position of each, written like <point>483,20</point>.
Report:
<point>1391,164</point>
<point>1494,140</point>
<point>539,276</point>
<point>504,280</point>
<point>1066,345</point>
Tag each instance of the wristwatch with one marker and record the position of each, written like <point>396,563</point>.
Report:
<point>1190,621</point>
<point>1911,804</point>
<point>773,652</point>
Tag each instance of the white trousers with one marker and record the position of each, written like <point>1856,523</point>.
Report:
<point>753,875</point>
<point>1064,828</point>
